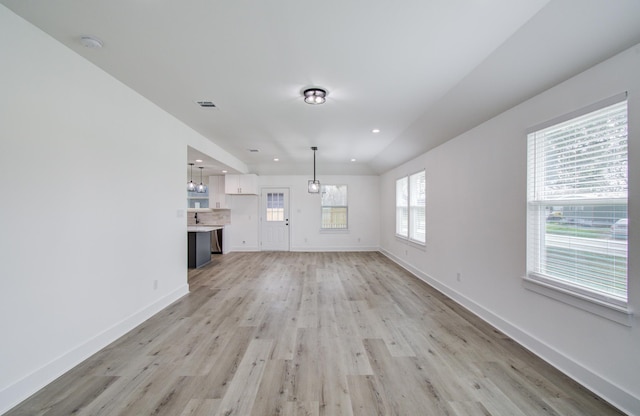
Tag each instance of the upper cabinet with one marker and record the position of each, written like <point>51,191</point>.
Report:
<point>241,184</point>
<point>217,197</point>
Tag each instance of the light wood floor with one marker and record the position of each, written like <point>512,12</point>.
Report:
<point>312,334</point>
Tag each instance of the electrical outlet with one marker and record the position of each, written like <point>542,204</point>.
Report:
<point>458,278</point>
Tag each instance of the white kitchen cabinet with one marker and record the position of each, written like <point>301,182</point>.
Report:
<point>217,195</point>
<point>241,184</point>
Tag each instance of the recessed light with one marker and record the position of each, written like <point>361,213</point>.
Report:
<point>206,104</point>
<point>198,160</point>
<point>224,171</point>
<point>91,42</point>
<point>375,131</point>
<point>275,159</point>
<point>353,159</point>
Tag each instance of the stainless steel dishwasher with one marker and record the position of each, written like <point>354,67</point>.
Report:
<point>216,241</point>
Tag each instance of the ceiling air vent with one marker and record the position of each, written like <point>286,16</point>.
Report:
<point>254,150</point>
<point>206,104</point>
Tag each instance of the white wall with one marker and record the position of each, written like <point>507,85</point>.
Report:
<point>476,210</point>
<point>92,204</point>
<point>305,235</point>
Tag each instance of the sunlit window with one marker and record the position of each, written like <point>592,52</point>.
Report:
<point>334,207</point>
<point>577,204</point>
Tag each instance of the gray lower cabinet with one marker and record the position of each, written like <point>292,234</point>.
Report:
<point>199,247</point>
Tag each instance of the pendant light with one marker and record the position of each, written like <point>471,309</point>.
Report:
<point>190,185</point>
<point>201,188</point>
<point>314,185</point>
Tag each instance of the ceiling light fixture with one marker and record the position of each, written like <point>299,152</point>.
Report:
<point>314,185</point>
<point>91,42</point>
<point>190,185</point>
<point>198,160</point>
<point>375,131</point>
<point>353,159</point>
<point>201,188</point>
<point>314,96</point>
<point>275,159</point>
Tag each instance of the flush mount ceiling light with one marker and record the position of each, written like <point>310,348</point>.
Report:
<point>314,185</point>
<point>190,185</point>
<point>91,42</point>
<point>314,96</point>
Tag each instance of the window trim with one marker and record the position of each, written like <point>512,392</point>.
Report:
<point>408,237</point>
<point>600,304</point>
<point>398,235</point>
<point>542,286</point>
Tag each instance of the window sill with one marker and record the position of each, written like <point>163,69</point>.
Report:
<point>412,243</point>
<point>619,314</point>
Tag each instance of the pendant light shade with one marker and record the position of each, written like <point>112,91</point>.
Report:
<point>314,185</point>
<point>201,188</point>
<point>191,187</point>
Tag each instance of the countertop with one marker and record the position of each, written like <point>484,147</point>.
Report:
<point>203,228</point>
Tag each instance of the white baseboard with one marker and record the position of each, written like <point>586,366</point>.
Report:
<point>333,249</point>
<point>612,393</point>
<point>30,384</point>
<point>245,249</point>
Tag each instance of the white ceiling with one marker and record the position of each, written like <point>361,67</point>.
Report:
<point>421,71</point>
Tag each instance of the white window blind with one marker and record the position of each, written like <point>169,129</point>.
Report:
<point>577,205</point>
<point>410,207</point>
<point>275,206</point>
<point>334,207</point>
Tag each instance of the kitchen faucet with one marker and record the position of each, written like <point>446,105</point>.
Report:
<point>197,220</point>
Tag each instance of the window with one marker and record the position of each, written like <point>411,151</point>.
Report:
<point>334,207</point>
<point>275,206</point>
<point>410,207</point>
<point>198,199</point>
<point>577,204</point>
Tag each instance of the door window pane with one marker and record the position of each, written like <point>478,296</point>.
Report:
<point>275,206</point>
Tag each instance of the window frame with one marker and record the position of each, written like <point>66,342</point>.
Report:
<point>610,306</point>
<point>345,207</point>
<point>410,209</point>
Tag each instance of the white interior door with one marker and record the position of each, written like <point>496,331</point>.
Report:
<point>275,219</point>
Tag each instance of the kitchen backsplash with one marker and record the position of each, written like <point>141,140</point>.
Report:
<point>213,217</point>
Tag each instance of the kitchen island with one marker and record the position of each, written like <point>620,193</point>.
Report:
<point>199,244</point>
